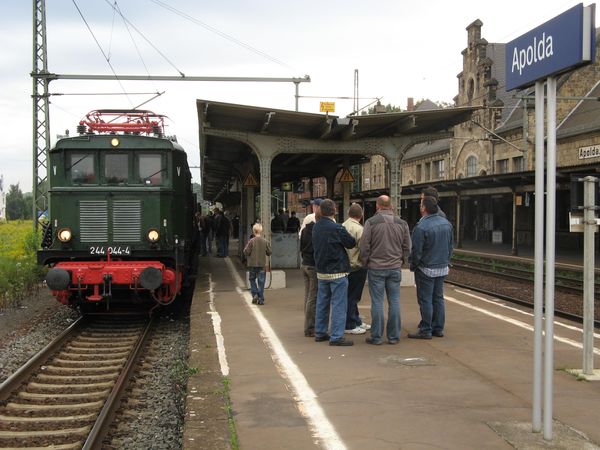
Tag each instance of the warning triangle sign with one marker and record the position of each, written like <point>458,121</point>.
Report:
<point>250,181</point>
<point>346,176</point>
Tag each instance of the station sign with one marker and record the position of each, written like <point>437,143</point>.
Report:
<point>327,107</point>
<point>562,43</point>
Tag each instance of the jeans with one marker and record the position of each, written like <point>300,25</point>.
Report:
<point>203,238</point>
<point>332,294</point>
<point>222,246</point>
<point>356,283</point>
<point>310,298</point>
<point>430,295</point>
<point>255,273</point>
<point>381,282</point>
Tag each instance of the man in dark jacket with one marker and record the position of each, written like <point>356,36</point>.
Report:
<point>429,260</point>
<point>309,274</point>
<point>330,241</point>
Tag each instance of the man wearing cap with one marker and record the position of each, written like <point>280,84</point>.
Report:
<point>315,203</point>
<point>330,241</point>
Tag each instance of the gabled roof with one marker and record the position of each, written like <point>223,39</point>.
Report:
<point>425,149</point>
<point>584,118</point>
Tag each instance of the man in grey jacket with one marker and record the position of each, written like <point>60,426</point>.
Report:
<point>384,246</point>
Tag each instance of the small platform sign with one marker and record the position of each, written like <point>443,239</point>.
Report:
<point>327,107</point>
<point>250,180</point>
<point>346,176</point>
<point>576,224</point>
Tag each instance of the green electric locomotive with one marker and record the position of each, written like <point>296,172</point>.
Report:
<point>121,213</point>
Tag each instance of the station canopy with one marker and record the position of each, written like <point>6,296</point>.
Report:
<point>223,126</point>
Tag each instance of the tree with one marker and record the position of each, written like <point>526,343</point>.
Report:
<point>379,108</point>
<point>15,203</point>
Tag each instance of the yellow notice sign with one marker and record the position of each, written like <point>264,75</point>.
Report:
<point>346,176</point>
<point>327,107</point>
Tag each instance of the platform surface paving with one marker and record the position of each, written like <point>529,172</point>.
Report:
<point>469,389</point>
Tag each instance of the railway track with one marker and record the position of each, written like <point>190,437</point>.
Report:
<point>517,289</point>
<point>65,396</point>
<point>567,280</point>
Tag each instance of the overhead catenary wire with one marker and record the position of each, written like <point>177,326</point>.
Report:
<point>221,33</point>
<point>127,21</point>
<point>101,50</point>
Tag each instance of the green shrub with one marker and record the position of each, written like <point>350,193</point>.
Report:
<point>19,272</point>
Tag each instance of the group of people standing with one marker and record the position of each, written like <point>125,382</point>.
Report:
<point>337,259</point>
<point>216,226</point>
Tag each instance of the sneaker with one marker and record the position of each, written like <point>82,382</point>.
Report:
<point>373,341</point>
<point>255,300</point>
<point>365,326</point>
<point>341,342</point>
<point>357,330</point>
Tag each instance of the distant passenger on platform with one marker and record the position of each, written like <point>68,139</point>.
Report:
<point>293,224</point>
<point>309,274</point>
<point>222,227</point>
<point>315,204</point>
<point>210,235</point>
<point>284,218</point>
<point>433,192</point>
<point>235,227</point>
<point>256,251</point>
<point>430,260</point>
<point>204,227</point>
<point>384,246</point>
<point>330,241</point>
<point>358,273</point>
<point>277,223</point>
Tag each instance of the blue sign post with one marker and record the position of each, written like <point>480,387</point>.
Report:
<point>560,44</point>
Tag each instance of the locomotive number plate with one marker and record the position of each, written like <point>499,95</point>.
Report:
<point>96,250</point>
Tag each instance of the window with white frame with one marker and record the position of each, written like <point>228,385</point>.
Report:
<point>518,164</point>
<point>502,166</point>
<point>438,169</point>
<point>471,166</point>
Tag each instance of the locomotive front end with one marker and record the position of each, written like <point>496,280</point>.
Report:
<point>119,204</point>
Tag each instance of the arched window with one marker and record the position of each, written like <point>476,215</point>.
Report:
<point>471,166</point>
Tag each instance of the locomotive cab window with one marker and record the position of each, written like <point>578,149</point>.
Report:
<point>116,168</point>
<point>82,168</point>
<point>151,169</point>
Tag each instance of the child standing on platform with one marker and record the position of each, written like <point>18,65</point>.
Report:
<point>257,249</point>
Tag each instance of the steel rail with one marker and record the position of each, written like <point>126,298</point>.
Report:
<point>559,313</point>
<point>23,373</point>
<point>106,416</point>
<point>560,281</point>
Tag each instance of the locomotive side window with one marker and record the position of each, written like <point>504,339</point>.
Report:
<point>82,168</point>
<point>151,169</point>
<point>116,168</point>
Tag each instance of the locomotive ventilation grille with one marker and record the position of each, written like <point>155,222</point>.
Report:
<point>126,219</point>
<point>93,221</point>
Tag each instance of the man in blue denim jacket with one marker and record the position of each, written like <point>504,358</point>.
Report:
<point>429,260</point>
<point>330,241</point>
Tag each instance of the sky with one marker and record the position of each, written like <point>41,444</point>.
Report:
<point>400,48</point>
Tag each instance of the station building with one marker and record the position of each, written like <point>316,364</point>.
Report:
<point>485,171</point>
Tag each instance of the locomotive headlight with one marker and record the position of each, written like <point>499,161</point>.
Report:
<point>64,234</point>
<point>153,235</point>
<point>114,142</point>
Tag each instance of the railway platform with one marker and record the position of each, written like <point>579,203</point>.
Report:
<point>470,389</point>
